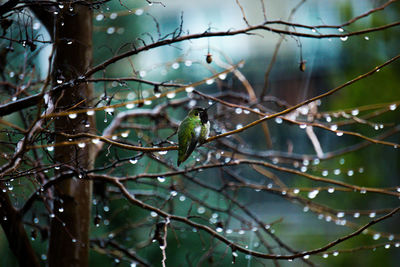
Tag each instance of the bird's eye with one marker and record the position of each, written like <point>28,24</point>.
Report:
<point>196,114</point>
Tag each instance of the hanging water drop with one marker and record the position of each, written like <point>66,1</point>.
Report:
<point>313,193</point>
<point>201,210</point>
<point>238,110</point>
<point>210,81</point>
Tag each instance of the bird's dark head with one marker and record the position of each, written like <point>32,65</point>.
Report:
<point>202,113</point>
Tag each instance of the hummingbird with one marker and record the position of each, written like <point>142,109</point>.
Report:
<point>192,131</point>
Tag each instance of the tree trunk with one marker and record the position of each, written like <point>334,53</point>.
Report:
<point>69,232</point>
<point>13,227</point>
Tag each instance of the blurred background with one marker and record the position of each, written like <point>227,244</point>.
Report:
<point>329,62</point>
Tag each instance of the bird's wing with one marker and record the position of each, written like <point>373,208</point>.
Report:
<point>192,145</point>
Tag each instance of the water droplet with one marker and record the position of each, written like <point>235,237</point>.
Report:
<point>306,257</point>
<point>366,38</point>
<point>73,116</point>
<point>222,76</point>
<point>306,208</point>
<point>61,209</point>
<point>189,89</point>
<point>392,107</point>
<point>363,191</point>
<point>296,191</point>
<point>173,193</point>
<point>313,193</point>
<point>201,210</point>
<point>130,106</point>
<point>350,172</point>
<point>81,145</point>
<point>355,112</point>
<point>175,65</point>
<point>95,141</point>
<point>325,173</point>
<point>171,95</point>
<point>278,120</point>
<point>341,30</point>
<point>372,215</point>
<point>113,15</point>
<point>153,214</point>
<point>110,30</point>
<point>325,255</point>
<point>124,134</point>
<point>344,38</point>
<point>328,118</point>
<point>182,198</point>
<point>336,171</point>
<point>376,236</point>
<point>50,148</point>
<point>52,215</point>
<point>387,246</point>
<point>356,215</point>
<point>303,126</point>
<point>161,179</point>
<point>241,232</point>
<point>335,253</point>
<point>339,133</point>
<point>340,214</point>
<point>238,110</point>
<point>106,208</point>
<point>99,17</point>
<point>43,257</point>
<point>239,126</point>
<point>139,12</point>
<point>219,229</point>
<point>36,26</point>
<point>333,127</point>
<point>303,169</point>
<point>210,81</point>
<point>188,63</point>
<point>109,110</point>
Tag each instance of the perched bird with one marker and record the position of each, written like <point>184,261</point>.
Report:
<point>192,131</point>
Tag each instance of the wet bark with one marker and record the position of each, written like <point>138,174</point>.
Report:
<point>69,232</point>
<point>12,225</point>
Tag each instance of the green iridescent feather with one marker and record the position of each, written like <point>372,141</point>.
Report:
<point>192,131</point>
